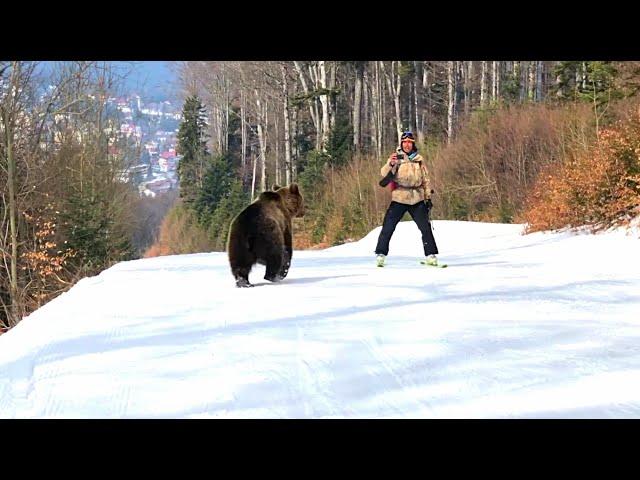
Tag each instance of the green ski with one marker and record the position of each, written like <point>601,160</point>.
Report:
<point>436,265</point>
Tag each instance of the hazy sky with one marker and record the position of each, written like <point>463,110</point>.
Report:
<point>156,78</point>
<point>153,80</point>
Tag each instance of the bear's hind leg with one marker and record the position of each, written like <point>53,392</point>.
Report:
<point>241,274</point>
<point>274,266</point>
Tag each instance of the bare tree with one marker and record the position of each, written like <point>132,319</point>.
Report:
<point>262,110</point>
<point>287,123</point>
<point>468,87</point>
<point>451,100</point>
<point>357,103</point>
<point>394,84</point>
<point>313,106</point>
<point>531,85</point>
<point>483,85</point>
<point>539,81</point>
<point>495,90</point>
<point>10,107</point>
<point>321,76</point>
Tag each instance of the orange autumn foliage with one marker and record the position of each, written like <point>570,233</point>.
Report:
<point>598,187</point>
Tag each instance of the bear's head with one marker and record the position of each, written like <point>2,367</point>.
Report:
<point>292,199</point>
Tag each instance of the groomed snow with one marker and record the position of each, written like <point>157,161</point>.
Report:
<point>544,325</point>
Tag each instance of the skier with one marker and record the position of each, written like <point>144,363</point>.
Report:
<point>407,175</point>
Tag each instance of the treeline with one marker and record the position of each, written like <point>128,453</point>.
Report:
<point>487,129</point>
<point>211,192</point>
<point>550,143</point>
<point>65,212</point>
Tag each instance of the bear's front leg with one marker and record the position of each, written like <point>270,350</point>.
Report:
<point>287,253</point>
<point>286,263</point>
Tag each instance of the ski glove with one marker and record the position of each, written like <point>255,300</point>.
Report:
<point>428,203</point>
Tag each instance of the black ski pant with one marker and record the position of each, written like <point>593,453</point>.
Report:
<point>420,214</point>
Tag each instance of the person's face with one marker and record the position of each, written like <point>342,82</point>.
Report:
<point>407,146</point>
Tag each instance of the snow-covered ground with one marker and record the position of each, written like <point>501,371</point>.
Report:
<point>542,325</point>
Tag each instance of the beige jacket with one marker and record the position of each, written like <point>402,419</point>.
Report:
<point>412,179</point>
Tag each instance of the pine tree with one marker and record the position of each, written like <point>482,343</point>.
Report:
<point>585,80</point>
<point>92,231</point>
<point>192,146</point>
<point>339,147</point>
<point>230,205</point>
<point>216,185</point>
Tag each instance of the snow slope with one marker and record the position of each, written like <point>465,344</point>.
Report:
<point>542,325</point>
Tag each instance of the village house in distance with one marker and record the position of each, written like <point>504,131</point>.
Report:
<point>149,132</point>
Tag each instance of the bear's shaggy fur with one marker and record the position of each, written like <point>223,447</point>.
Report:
<point>262,233</point>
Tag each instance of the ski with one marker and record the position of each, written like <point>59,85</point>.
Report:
<point>437,265</point>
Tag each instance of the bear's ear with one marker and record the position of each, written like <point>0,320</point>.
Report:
<point>293,188</point>
<point>276,187</point>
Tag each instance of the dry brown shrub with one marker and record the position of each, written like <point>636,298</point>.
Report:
<point>598,187</point>
<point>180,233</point>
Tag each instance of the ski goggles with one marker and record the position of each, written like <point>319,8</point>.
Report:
<point>407,136</point>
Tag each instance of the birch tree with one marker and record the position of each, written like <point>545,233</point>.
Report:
<point>394,84</point>
<point>483,84</point>
<point>321,76</point>
<point>450,99</point>
<point>357,103</point>
<point>313,105</point>
<point>287,123</point>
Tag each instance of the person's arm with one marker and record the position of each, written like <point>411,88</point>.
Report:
<point>391,162</point>
<point>426,183</point>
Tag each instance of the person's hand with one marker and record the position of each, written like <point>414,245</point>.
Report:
<point>428,203</point>
<point>393,159</point>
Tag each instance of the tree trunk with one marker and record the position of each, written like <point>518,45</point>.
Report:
<point>396,100</point>
<point>11,191</point>
<point>495,90</point>
<point>314,75</point>
<point>313,106</point>
<point>378,99</point>
<point>296,152</point>
<point>357,104</point>
<point>333,104</point>
<point>253,176</point>
<point>450,100</point>
<point>558,84</point>
<point>287,126</point>
<point>366,111</point>
<point>532,80</point>
<point>460,90</point>
<point>483,85</point>
<point>427,86</point>
<point>227,102</point>
<point>262,141</point>
<point>263,148</point>
<point>374,108</point>
<point>277,143</point>
<point>468,88</point>
<point>8,122</point>
<point>394,84</point>
<point>416,117</point>
<point>539,81</point>
<point>517,78</point>
<point>243,157</point>
<point>324,102</point>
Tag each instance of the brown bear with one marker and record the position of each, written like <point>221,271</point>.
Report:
<point>262,233</point>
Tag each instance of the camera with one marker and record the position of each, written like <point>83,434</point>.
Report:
<point>400,156</point>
